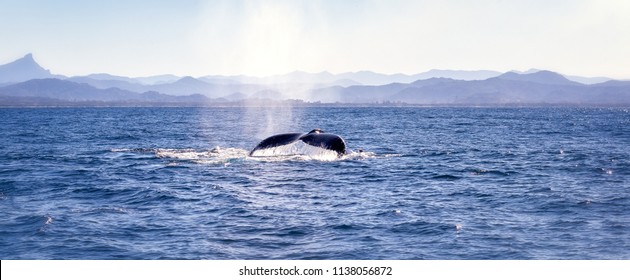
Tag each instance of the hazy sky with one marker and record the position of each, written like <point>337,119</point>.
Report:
<point>184,37</point>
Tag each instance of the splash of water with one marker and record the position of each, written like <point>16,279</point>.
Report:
<point>296,149</point>
<point>213,156</point>
<point>225,156</point>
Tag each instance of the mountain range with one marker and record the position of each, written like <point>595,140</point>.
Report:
<point>25,83</point>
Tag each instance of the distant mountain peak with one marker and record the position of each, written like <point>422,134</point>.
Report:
<point>184,78</point>
<point>541,77</point>
<point>23,69</point>
<point>28,56</point>
<point>27,60</point>
<point>188,79</point>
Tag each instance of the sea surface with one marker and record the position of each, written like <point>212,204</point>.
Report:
<point>418,183</point>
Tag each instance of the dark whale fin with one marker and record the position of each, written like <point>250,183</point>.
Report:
<point>325,140</point>
<point>315,138</point>
<point>277,140</point>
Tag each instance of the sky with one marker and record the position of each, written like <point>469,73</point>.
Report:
<point>261,38</point>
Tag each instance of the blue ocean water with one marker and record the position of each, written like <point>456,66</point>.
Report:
<point>419,183</point>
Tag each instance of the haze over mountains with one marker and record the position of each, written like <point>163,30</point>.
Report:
<point>25,83</point>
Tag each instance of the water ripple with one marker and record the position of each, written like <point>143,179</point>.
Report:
<point>419,183</point>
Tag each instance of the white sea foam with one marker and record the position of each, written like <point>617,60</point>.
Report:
<point>104,209</point>
<point>47,223</point>
<point>49,220</point>
<point>213,156</point>
<point>297,151</point>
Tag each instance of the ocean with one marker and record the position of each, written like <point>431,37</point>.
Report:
<point>417,183</point>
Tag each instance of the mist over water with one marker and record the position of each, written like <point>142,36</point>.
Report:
<point>262,122</point>
<point>429,183</point>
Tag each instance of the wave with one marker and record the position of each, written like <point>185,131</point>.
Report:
<point>216,155</point>
<point>298,148</point>
<point>225,156</point>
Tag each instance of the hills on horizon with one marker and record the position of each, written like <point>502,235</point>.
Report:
<point>25,82</point>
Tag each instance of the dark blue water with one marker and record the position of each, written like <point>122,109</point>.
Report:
<point>430,183</point>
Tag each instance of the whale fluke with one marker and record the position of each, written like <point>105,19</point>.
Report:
<point>300,143</point>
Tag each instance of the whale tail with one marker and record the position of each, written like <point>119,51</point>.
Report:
<point>298,143</point>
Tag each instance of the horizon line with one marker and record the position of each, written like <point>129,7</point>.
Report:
<point>499,72</point>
